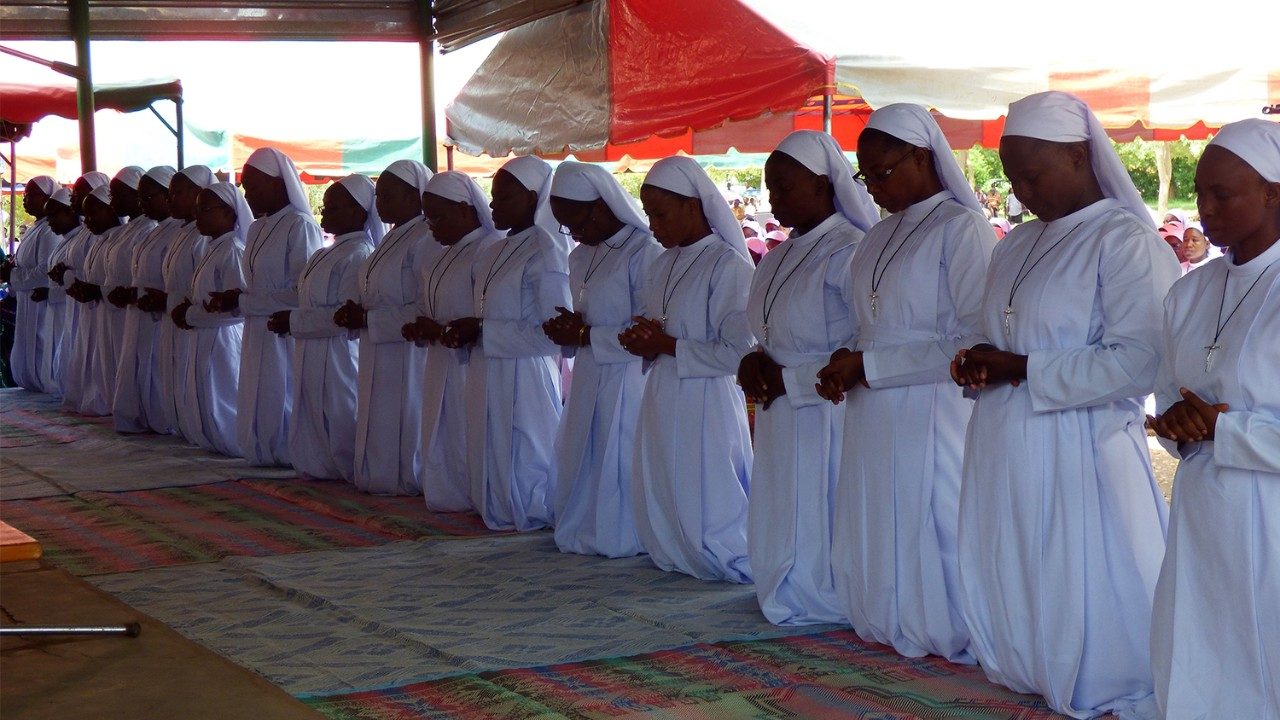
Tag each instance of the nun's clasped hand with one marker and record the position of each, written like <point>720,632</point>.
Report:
<point>647,339</point>
<point>843,372</point>
<point>351,316</point>
<point>567,329</point>
<point>461,333</point>
<point>422,331</point>
<point>278,323</point>
<point>983,365</point>
<point>179,315</point>
<point>223,302</point>
<point>1191,419</point>
<point>761,378</point>
<point>152,300</point>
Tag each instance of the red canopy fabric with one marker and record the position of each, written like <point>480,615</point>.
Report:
<point>22,103</point>
<point>679,65</point>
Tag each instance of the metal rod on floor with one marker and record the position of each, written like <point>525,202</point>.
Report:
<point>127,630</point>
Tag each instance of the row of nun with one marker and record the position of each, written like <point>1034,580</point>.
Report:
<point>1023,531</point>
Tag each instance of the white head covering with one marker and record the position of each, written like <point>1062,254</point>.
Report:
<point>362,191</point>
<point>412,172</point>
<point>913,124</point>
<point>96,179</point>
<point>278,165</point>
<point>101,192</point>
<point>162,174</point>
<point>1062,117</point>
<point>535,174</point>
<point>199,175</point>
<point>231,196</point>
<point>754,226</point>
<point>586,183</point>
<point>683,176</point>
<point>459,187</point>
<point>1255,141</point>
<point>62,196</point>
<point>130,175</point>
<point>44,184</point>
<point>821,155</point>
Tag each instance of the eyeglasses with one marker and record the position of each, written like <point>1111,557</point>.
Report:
<point>863,178</point>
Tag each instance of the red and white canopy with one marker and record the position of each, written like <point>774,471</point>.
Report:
<point>650,77</point>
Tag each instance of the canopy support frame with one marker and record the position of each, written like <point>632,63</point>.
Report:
<point>84,85</point>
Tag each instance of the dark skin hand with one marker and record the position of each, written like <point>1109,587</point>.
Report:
<point>57,272</point>
<point>843,372</point>
<point>224,302</point>
<point>122,297</point>
<point>761,378</point>
<point>422,331</point>
<point>179,315</point>
<point>567,329</point>
<point>461,333</point>
<point>153,300</point>
<point>278,323</point>
<point>84,292</point>
<point>352,316</point>
<point>39,294</point>
<point>646,338</point>
<point>1191,419</point>
<point>983,365</point>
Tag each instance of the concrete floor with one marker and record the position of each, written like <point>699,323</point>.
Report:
<point>158,674</point>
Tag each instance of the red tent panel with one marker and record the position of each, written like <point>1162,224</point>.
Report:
<point>715,59</point>
<point>21,103</point>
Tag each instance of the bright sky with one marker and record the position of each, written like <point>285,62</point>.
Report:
<point>265,89</point>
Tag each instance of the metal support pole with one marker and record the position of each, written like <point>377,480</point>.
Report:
<point>84,84</point>
<point>13,194</point>
<point>182,130</point>
<point>127,630</point>
<point>826,112</point>
<point>426,54</point>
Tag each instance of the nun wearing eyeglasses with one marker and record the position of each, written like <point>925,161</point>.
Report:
<point>692,450</point>
<point>29,282</point>
<point>916,285</point>
<point>1062,525</point>
<point>137,404</point>
<point>1215,640</point>
<point>281,241</point>
<point>178,267</point>
<point>207,415</point>
<point>607,271</point>
<point>461,226</point>
<point>389,380</point>
<point>322,393</point>
<point>799,311</point>
<point>514,384</point>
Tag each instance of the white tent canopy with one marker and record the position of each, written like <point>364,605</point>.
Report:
<point>1168,65</point>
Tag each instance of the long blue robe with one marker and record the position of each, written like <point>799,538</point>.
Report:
<point>513,385</point>
<point>1062,524</point>
<point>803,283</point>
<point>898,502</point>
<point>322,428</point>
<point>595,448</point>
<point>693,449</point>
<point>276,250</point>
<point>1215,631</point>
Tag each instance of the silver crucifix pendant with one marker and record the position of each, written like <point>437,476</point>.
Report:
<point>1008,320</point>
<point>1208,356</point>
<point>875,303</point>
